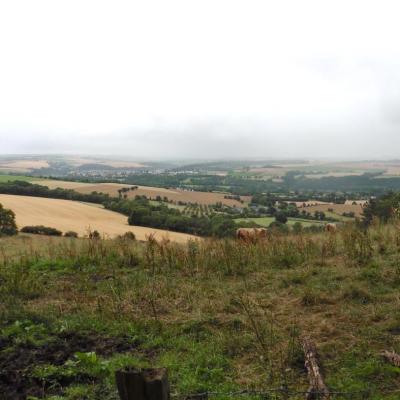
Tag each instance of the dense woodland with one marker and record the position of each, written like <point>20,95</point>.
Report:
<point>366,184</point>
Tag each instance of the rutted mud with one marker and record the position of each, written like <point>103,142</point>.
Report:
<point>17,362</point>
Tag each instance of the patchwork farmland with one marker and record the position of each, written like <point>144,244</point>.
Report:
<point>175,195</point>
<point>337,209</point>
<point>22,165</point>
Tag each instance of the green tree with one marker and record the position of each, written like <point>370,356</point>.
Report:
<point>8,227</point>
<point>384,208</point>
<point>297,227</point>
<point>278,226</point>
<point>281,217</point>
<point>222,226</point>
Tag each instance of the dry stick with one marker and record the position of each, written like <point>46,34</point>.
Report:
<point>317,389</point>
<point>392,357</point>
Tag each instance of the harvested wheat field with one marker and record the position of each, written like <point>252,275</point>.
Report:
<point>23,165</point>
<point>175,195</point>
<point>79,161</point>
<point>339,209</point>
<point>67,215</point>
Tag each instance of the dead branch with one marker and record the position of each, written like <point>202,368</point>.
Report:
<point>392,357</point>
<point>317,389</point>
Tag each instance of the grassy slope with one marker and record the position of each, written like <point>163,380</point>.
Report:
<point>266,221</point>
<point>337,216</point>
<point>220,315</point>
<point>11,178</point>
<point>67,215</point>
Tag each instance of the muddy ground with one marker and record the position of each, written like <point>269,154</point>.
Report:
<point>17,361</point>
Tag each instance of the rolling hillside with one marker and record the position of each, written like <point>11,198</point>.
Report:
<point>68,215</point>
<point>148,191</point>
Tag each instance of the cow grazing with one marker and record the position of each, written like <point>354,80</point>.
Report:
<point>251,234</point>
<point>332,228</point>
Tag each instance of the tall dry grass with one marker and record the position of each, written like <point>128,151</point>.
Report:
<point>253,299</point>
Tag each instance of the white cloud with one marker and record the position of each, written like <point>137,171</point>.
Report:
<point>257,77</point>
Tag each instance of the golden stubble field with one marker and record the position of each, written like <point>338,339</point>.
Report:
<point>67,215</point>
<point>337,208</point>
<point>22,165</point>
<point>28,164</point>
<point>79,161</point>
<point>151,192</point>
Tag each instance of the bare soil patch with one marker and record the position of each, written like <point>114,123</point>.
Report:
<point>16,363</point>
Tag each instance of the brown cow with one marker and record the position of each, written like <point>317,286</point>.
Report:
<point>251,234</point>
<point>332,228</point>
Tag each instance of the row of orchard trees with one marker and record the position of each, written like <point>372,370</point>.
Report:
<point>142,212</point>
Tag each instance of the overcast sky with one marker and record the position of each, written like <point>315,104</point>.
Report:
<point>219,78</point>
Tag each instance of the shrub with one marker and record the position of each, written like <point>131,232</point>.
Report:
<point>313,297</point>
<point>358,294</point>
<point>281,217</point>
<point>41,230</point>
<point>71,234</point>
<point>357,245</point>
<point>384,208</point>
<point>279,227</point>
<point>8,226</point>
<point>94,235</point>
<point>297,227</point>
<point>129,236</point>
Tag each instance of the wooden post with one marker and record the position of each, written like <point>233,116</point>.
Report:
<point>156,384</point>
<point>130,384</point>
<point>317,389</point>
<point>146,384</point>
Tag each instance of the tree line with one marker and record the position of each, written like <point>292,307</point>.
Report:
<point>23,188</point>
<point>368,183</point>
<point>139,210</point>
<point>142,213</point>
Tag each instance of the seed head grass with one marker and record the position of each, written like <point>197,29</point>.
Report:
<point>219,314</point>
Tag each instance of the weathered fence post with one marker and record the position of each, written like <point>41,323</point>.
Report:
<point>143,384</point>
<point>317,389</point>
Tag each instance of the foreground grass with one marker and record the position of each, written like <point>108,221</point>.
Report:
<point>220,315</point>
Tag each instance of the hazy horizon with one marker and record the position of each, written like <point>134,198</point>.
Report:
<point>210,80</point>
<point>194,160</point>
